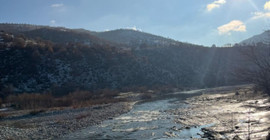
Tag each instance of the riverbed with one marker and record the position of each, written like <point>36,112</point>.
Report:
<point>147,120</point>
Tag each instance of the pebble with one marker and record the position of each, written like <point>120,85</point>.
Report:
<point>55,126</point>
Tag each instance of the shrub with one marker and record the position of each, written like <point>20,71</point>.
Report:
<point>76,99</point>
<point>81,116</point>
<point>3,115</point>
<point>36,112</point>
<point>31,101</point>
<point>86,98</point>
<point>62,102</point>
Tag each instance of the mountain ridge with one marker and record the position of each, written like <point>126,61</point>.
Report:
<point>126,38</point>
<point>260,38</point>
<point>58,64</point>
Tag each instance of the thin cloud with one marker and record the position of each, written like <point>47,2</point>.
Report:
<point>258,15</point>
<point>267,6</point>
<point>215,4</point>
<point>57,5</point>
<point>134,28</point>
<point>265,14</point>
<point>233,26</point>
<point>52,22</point>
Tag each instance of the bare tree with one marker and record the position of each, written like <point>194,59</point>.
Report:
<point>256,67</point>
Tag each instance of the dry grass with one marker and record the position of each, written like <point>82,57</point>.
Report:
<point>3,115</point>
<point>36,112</point>
<point>30,101</point>
<point>21,125</point>
<point>81,116</point>
<point>37,101</point>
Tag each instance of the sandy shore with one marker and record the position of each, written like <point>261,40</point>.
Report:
<point>230,115</point>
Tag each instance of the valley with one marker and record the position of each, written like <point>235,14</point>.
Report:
<point>196,114</point>
<point>61,83</point>
<point>135,70</point>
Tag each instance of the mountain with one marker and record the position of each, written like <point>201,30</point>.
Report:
<point>16,28</point>
<point>134,38</point>
<point>124,38</point>
<point>53,34</point>
<point>261,38</point>
<point>58,60</point>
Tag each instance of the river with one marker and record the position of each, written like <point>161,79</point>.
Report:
<point>147,120</point>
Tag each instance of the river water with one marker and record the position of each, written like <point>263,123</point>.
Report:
<point>146,121</point>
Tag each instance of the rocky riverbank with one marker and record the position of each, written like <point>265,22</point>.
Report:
<point>236,113</point>
<point>56,123</point>
<point>239,113</point>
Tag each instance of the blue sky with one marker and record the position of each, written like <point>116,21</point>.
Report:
<point>203,22</point>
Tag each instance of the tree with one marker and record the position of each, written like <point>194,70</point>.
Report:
<point>257,66</point>
<point>19,42</point>
<point>214,46</point>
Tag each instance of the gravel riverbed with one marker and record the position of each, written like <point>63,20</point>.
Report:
<point>218,113</point>
<point>232,113</point>
<point>54,124</point>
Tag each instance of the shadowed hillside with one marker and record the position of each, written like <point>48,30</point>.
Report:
<point>52,59</point>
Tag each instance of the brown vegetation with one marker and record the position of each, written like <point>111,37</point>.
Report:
<point>39,102</point>
<point>75,99</point>
<point>2,115</point>
<point>30,101</point>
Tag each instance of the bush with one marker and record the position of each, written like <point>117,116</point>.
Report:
<point>62,102</point>
<point>31,101</point>
<point>2,115</point>
<point>36,112</point>
<point>79,96</point>
<point>86,98</point>
<point>75,99</point>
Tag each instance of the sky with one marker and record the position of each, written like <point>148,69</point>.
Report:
<point>203,22</point>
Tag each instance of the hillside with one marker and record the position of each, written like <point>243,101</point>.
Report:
<point>16,28</point>
<point>59,60</point>
<point>124,38</point>
<point>261,38</point>
<point>136,39</point>
<point>58,35</point>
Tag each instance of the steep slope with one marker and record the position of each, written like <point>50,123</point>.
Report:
<point>28,64</point>
<point>38,66</point>
<point>261,38</point>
